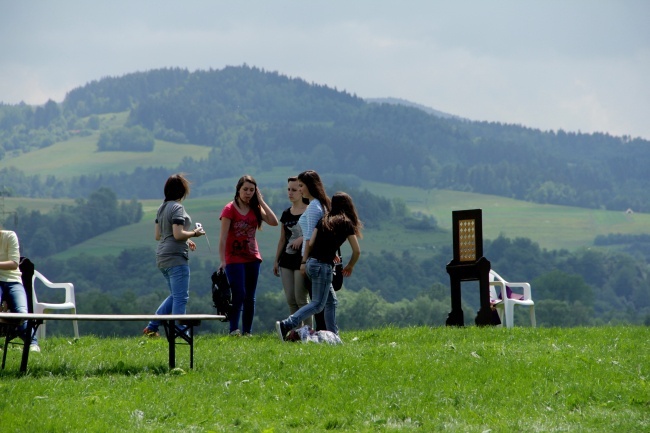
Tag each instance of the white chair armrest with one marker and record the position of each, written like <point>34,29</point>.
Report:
<point>69,287</point>
<point>525,286</point>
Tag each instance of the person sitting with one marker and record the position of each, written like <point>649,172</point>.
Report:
<point>12,291</point>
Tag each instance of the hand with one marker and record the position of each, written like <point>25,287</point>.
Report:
<point>276,269</point>
<point>191,244</point>
<point>296,244</point>
<point>303,270</point>
<point>347,271</point>
<point>199,232</point>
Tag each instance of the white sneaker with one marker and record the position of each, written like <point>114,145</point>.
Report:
<point>34,348</point>
<point>235,333</point>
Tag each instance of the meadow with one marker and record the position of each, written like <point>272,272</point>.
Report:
<point>382,380</point>
<point>551,226</point>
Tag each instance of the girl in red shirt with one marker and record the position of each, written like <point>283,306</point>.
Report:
<point>240,257</point>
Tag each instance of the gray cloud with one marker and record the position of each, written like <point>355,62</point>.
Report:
<point>577,65</point>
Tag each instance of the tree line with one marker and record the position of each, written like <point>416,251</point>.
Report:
<point>42,235</point>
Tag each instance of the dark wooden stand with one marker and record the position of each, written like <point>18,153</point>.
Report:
<point>468,264</point>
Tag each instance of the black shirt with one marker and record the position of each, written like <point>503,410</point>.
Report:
<point>328,242</point>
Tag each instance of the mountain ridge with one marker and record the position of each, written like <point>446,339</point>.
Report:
<point>251,119</point>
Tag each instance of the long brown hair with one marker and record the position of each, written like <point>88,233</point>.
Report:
<point>343,212</point>
<point>312,181</point>
<point>255,200</point>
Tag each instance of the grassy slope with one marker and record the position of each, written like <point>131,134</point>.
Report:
<point>385,380</point>
<point>79,156</point>
<point>553,227</point>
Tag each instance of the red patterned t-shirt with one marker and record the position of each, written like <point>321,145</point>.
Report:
<point>241,245</point>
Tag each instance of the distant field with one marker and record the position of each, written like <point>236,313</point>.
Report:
<point>79,156</point>
<point>553,227</point>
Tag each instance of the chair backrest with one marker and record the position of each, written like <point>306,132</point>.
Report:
<point>467,235</point>
<point>27,269</point>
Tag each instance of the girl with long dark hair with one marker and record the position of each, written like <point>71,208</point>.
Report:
<point>313,190</point>
<point>341,223</point>
<point>238,251</point>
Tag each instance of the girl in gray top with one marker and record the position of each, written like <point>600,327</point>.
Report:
<point>173,233</point>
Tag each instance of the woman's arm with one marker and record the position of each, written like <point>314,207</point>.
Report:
<point>308,246</point>
<point>9,265</point>
<point>356,252</point>
<point>268,216</point>
<point>278,252</point>
<point>157,234</point>
<point>180,234</point>
<point>13,253</point>
<point>223,235</point>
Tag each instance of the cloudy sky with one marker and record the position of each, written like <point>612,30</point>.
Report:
<point>577,65</point>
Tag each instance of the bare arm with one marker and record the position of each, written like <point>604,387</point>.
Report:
<point>356,252</point>
<point>157,235</point>
<point>268,216</point>
<point>225,226</point>
<point>181,234</point>
<point>278,252</point>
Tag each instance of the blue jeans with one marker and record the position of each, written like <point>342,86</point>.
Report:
<point>243,283</point>
<point>178,281</point>
<point>14,294</point>
<point>323,297</point>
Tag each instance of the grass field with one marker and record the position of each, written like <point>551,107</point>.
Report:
<point>384,380</point>
<point>79,156</point>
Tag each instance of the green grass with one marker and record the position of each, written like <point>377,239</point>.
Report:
<point>384,380</point>
<point>79,156</point>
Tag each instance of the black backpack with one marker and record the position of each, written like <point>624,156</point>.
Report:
<point>221,294</point>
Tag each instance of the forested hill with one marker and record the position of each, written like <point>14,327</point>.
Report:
<point>255,119</point>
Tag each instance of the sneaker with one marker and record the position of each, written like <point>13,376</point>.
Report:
<point>281,329</point>
<point>235,333</point>
<point>247,334</point>
<point>150,333</point>
<point>34,348</point>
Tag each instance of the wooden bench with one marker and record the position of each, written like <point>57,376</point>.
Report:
<point>176,325</point>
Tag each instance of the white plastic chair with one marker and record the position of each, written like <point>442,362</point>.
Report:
<point>45,307</point>
<point>504,304</point>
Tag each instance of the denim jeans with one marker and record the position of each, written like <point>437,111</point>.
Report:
<point>323,297</point>
<point>178,281</point>
<point>14,294</point>
<point>243,284</point>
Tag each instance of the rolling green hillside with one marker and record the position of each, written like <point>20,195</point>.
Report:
<point>79,156</point>
<point>246,117</point>
<point>552,227</point>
